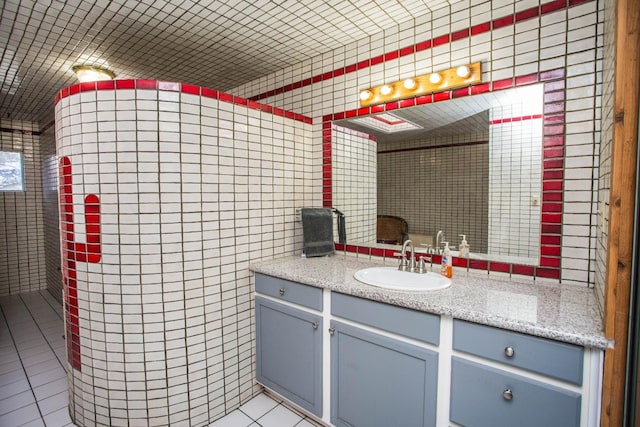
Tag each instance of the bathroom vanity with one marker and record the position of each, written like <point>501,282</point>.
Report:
<point>485,351</point>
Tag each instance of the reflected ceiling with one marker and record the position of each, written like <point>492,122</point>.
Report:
<point>460,116</point>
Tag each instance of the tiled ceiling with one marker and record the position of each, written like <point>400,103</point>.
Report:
<point>217,44</point>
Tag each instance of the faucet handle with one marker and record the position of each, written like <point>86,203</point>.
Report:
<point>422,266</point>
<point>429,247</point>
<point>404,262</point>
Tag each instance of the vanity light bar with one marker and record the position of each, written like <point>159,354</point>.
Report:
<point>463,75</point>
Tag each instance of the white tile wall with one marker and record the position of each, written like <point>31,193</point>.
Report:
<point>601,208</point>
<point>192,189</point>
<point>266,228</point>
<point>569,39</point>
<point>49,167</point>
<point>22,251</point>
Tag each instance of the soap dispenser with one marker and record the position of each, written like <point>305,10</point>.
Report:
<point>446,267</point>
<point>464,247</point>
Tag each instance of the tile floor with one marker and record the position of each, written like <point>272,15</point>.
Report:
<point>33,383</point>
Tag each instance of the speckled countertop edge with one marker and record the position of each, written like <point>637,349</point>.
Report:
<point>566,313</point>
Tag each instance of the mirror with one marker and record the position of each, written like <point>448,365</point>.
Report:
<point>467,166</point>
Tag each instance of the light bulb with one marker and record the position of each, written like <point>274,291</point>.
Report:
<point>89,73</point>
<point>409,84</point>
<point>435,78</point>
<point>385,90</point>
<point>364,95</point>
<point>463,71</point>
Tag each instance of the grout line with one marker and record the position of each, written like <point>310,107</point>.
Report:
<point>42,333</point>
<point>35,398</point>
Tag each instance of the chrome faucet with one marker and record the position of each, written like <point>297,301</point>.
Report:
<point>439,240</point>
<point>407,265</point>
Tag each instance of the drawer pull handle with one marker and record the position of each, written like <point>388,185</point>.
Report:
<point>314,325</point>
<point>281,291</point>
<point>507,394</point>
<point>509,351</point>
<point>332,331</point>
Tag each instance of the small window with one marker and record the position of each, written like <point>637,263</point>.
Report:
<point>11,177</point>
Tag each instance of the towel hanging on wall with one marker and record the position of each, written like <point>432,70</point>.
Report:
<point>317,230</point>
<point>342,228</point>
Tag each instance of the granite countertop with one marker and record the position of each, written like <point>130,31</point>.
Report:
<point>567,313</point>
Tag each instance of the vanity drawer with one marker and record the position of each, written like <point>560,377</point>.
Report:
<point>402,321</point>
<point>293,292</point>
<point>486,396</point>
<point>552,358</point>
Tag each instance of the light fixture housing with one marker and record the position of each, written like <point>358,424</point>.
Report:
<point>92,73</point>
<point>435,81</point>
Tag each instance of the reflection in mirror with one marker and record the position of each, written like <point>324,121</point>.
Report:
<point>471,166</point>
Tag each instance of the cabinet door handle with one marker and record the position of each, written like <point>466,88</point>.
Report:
<point>281,291</point>
<point>315,325</point>
<point>332,331</point>
<point>509,351</point>
<point>507,394</point>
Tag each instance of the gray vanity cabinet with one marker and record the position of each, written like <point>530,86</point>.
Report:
<point>484,395</point>
<point>379,381</point>
<point>376,379</point>
<point>289,342</point>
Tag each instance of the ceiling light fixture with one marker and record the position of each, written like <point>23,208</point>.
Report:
<point>92,73</point>
<point>436,81</point>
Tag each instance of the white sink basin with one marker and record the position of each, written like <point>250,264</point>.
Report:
<point>392,278</point>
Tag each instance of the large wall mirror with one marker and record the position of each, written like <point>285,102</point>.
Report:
<point>468,166</point>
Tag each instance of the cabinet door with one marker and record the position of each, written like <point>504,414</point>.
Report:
<point>378,381</point>
<point>485,396</point>
<point>289,353</point>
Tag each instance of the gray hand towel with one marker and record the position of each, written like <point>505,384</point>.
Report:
<point>317,230</point>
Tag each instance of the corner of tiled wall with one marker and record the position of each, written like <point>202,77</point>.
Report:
<point>50,209</point>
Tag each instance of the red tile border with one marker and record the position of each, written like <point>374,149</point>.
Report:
<point>553,169</point>
<point>527,14</point>
<point>190,89</point>
<point>502,22</point>
<point>459,35</point>
<point>125,84</point>
<point>146,84</point>
<point>177,87</point>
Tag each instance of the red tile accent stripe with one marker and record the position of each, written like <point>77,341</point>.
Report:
<point>179,87</point>
<point>73,252</point>
<point>515,119</point>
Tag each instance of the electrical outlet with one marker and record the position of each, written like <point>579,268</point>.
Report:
<point>535,200</point>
